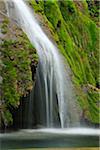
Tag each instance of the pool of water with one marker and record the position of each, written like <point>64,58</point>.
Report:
<point>44,138</point>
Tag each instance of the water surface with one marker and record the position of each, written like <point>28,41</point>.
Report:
<point>44,138</point>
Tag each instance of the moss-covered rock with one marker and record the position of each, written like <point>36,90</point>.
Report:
<point>76,35</point>
<point>73,25</point>
<point>17,57</point>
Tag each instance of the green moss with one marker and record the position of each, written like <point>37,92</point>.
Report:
<point>93,98</point>
<point>52,16</point>
<point>7,117</point>
<point>4,26</point>
<point>17,56</point>
<point>93,8</point>
<point>77,38</point>
<point>68,9</point>
<point>38,7</point>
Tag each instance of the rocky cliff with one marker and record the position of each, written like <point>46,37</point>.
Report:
<point>18,61</point>
<point>73,26</point>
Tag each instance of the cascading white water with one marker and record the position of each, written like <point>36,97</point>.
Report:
<point>53,70</point>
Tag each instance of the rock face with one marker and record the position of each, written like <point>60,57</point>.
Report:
<point>18,61</point>
<point>74,27</point>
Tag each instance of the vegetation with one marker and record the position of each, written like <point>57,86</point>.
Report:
<point>17,58</point>
<point>74,28</point>
<point>73,25</point>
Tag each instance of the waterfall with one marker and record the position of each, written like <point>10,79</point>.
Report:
<point>54,90</point>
